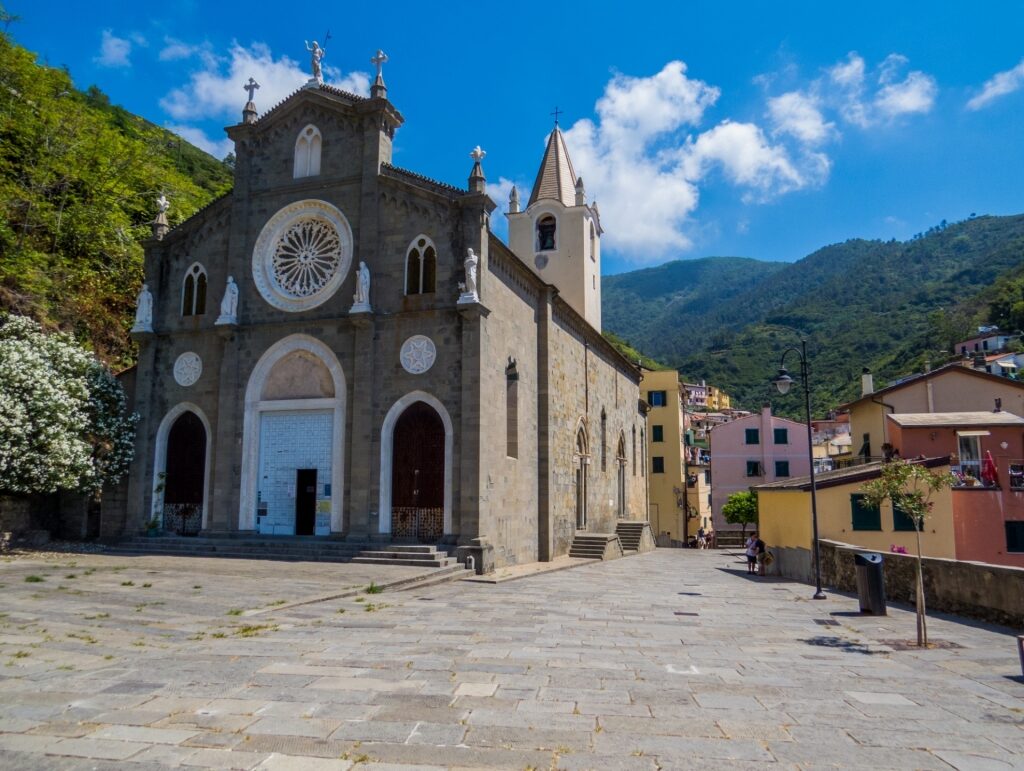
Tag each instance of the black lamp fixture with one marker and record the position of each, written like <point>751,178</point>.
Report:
<point>784,381</point>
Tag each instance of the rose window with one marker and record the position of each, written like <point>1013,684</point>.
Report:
<point>302,255</point>
<point>306,258</point>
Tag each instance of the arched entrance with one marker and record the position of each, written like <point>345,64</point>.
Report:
<point>582,458</point>
<point>417,476</point>
<point>181,471</point>
<point>184,483</point>
<point>294,425</point>
<point>416,435</point>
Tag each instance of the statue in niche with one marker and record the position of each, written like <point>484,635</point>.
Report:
<point>469,287</point>
<point>316,53</point>
<point>361,299</point>
<point>229,305</point>
<point>144,310</point>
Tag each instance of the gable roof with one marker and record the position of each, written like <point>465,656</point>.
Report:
<point>556,178</point>
<point>955,367</point>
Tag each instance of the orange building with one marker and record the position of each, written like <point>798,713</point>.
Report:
<point>986,451</point>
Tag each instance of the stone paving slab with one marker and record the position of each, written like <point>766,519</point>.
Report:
<point>151,662</point>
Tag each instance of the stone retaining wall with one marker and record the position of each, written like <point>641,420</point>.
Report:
<point>979,590</point>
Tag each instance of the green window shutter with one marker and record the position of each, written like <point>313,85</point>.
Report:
<point>901,521</point>
<point>865,517</point>
<point>753,436</point>
<point>781,436</point>
<point>1015,536</point>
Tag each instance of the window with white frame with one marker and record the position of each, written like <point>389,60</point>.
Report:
<point>193,291</point>
<point>421,266</point>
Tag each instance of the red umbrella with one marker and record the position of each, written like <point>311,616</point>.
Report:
<point>989,474</point>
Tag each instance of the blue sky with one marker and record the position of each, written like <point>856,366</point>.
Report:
<point>701,128</point>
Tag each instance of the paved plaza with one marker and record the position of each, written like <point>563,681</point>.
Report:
<point>674,659</point>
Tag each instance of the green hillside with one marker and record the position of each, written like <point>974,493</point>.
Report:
<point>78,182</point>
<point>884,305</point>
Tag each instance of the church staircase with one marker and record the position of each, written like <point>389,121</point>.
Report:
<point>596,546</point>
<point>290,548</point>
<point>411,555</point>
<point>636,537</point>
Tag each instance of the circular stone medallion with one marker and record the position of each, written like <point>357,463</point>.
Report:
<point>418,354</point>
<point>302,255</point>
<point>187,368</point>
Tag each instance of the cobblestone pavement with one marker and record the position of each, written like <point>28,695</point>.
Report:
<point>674,659</point>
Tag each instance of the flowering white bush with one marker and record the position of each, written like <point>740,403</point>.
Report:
<point>63,418</point>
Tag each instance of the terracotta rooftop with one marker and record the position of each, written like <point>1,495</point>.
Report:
<point>841,476</point>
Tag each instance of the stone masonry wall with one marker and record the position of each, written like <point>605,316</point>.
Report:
<point>989,592</point>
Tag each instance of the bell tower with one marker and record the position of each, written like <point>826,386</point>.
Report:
<point>558,234</point>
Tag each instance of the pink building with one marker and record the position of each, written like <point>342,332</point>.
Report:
<point>752,450</point>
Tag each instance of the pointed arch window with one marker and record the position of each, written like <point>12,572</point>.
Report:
<point>307,152</point>
<point>604,440</point>
<point>421,267</point>
<point>546,227</point>
<point>593,242</point>
<point>193,291</point>
<point>511,409</point>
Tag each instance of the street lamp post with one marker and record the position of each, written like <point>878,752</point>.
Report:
<point>783,381</point>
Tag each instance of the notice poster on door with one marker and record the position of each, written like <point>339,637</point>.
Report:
<point>323,516</point>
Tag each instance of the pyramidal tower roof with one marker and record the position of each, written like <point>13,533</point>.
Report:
<point>556,178</point>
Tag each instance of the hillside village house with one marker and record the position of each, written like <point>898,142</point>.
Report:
<point>952,388</point>
<point>980,518</point>
<point>987,340</point>
<point>341,348</point>
<point>751,450</point>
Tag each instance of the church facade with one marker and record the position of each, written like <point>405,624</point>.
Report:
<point>341,348</point>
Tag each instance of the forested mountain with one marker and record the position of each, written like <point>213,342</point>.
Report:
<point>884,305</point>
<point>78,183</point>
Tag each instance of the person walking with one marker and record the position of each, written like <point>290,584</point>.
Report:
<point>702,539</point>
<point>751,551</point>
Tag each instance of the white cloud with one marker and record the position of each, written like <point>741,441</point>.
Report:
<point>645,170</point>
<point>499,192</point>
<point>216,89</point>
<point>1000,84</point>
<point>799,115</point>
<point>865,101</point>
<point>114,51</point>
<point>174,50</point>
<point>915,93</point>
<point>196,136</point>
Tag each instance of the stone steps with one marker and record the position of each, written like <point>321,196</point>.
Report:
<point>630,534</point>
<point>729,539</point>
<point>426,556</point>
<point>595,546</point>
<point>239,548</point>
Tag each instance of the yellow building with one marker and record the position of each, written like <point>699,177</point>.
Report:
<point>718,399</point>
<point>665,421</point>
<point>784,518</point>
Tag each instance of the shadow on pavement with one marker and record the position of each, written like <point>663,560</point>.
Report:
<point>838,643</point>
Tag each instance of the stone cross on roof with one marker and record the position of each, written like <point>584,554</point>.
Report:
<point>251,87</point>
<point>378,61</point>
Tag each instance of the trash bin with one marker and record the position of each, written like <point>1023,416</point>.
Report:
<point>870,583</point>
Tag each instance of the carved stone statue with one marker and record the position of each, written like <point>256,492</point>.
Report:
<point>316,53</point>
<point>229,305</point>
<point>469,287</point>
<point>361,299</point>
<point>144,311</point>
<point>162,204</point>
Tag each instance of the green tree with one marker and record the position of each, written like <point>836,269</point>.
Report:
<point>909,487</point>
<point>741,509</point>
<point>63,418</point>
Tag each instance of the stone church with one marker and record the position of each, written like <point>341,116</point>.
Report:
<point>341,348</point>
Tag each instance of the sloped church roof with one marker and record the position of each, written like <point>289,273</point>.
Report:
<point>556,178</point>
